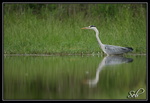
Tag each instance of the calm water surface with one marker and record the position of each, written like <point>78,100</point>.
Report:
<point>74,77</point>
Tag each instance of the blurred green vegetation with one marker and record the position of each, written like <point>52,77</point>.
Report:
<point>55,28</point>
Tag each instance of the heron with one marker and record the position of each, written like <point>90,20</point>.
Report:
<point>109,49</point>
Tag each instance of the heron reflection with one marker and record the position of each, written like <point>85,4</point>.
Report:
<point>108,60</point>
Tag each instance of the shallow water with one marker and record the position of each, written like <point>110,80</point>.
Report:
<point>74,77</point>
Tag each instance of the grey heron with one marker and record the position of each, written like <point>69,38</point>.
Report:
<point>109,49</point>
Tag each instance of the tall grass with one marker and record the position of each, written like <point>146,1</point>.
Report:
<point>57,29</point>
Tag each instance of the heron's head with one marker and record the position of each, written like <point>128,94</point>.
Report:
<point>90,27</point>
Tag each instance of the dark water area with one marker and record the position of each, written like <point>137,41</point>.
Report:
<point>74,77</point>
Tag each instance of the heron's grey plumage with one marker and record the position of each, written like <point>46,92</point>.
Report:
<point>109,49</point>
<point>112,50</point>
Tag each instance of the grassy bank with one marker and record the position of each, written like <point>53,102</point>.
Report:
<point>57,29</point>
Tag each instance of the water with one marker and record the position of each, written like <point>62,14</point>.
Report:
<point>74,77</point>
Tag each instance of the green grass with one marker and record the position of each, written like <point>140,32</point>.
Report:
<point>49,33</point>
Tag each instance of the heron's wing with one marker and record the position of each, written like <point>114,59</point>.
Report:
<point>111,49</point>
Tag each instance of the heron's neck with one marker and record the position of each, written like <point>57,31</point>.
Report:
<point>97,37</point>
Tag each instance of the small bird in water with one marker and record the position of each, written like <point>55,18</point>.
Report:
<point>109,49</point>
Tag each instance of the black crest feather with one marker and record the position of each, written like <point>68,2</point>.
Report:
<point>92,26</point>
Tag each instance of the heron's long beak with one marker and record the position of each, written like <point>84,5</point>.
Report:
<point>85,28</point>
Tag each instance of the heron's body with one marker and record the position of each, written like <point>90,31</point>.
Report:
<point>109,49</point>
<point>114,50</point>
